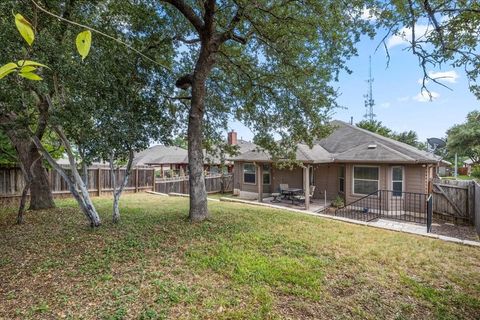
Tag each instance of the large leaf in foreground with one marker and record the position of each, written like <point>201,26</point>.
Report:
<point>84,42</point>
<point>25,28</point>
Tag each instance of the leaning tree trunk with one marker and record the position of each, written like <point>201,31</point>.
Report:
<point>118,192</point>
<point>40,193</point>
<point>75,182</point>
<point>198,192</point>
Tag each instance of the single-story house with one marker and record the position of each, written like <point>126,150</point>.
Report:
<point>173,161</point>
<point>350,162</point>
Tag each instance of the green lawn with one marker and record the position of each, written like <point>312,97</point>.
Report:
<point>245,263</point>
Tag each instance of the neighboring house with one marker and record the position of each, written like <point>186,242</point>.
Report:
<point>173,161</point>
<point>468,164</point>
<point>444,168</point>
<point>65,163</point>
<point>169,160</point>
<point>351,162</point>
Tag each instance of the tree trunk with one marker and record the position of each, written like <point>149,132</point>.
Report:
<point>75,181</point>
<point>198,192</point>
<point>23,199</point>
<point>40,193</point>
<point>118,192</point>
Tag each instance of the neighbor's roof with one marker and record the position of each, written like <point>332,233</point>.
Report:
<point>64,162</point>
<point>160,154</point>
<point>214,157</point>
<point>348,143</point>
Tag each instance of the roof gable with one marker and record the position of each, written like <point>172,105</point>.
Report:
<point>347,137</point>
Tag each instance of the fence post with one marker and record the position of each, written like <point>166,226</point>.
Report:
<point>429,213</point>
<point>136,180</point>
<point>153,179</point>
<point>99,181</point>
<point>471,202</point>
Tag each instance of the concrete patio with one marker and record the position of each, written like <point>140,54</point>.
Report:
<point>316,205</point>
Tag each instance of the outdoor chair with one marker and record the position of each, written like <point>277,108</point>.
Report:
<point>301,197</point>
<point>283,190</point>
<point>275,196</point>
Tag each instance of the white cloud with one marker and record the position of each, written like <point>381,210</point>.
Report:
<point>403,99</point>
<point>424,96</point>
<point>447,76</point>
<point>404,35</point>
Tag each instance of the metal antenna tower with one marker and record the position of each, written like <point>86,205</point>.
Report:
<point>369,102</point>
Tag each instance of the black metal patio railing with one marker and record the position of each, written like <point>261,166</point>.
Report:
<point>388,204</point>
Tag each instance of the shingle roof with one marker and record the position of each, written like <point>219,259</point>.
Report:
<point>159,154</point>
<point>347,137</point>
<point>316,154</point>
<point>372,152</point>
<point>348,143</point>
<point>215,157</point>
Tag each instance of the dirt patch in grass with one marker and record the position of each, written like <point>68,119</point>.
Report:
<point>244,263</point>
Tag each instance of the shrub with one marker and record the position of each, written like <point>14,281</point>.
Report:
<point>475,171</point>
<point>338,202</point>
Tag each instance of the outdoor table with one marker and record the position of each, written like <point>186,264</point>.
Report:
<point>290,192</point>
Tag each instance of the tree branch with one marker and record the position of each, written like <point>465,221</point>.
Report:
<point>188,13</point>
<point>98,32</point>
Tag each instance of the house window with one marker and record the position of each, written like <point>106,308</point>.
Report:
<point>397,181</point>
<point>249,173</point>
<point>266,174</point>
<point>365,180</point>
<point>341,179</point>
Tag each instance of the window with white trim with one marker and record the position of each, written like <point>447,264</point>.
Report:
<point>397,181</point>
<point>249,173</point>
<point>341,179</point>
<point>365,179</point>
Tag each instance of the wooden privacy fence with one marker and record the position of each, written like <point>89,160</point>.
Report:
<point>99,181</point>
<point>455,200</point>
<point>212,183</point>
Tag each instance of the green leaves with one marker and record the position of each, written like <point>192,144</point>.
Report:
<point>84,42</point>
<point>30,76</point>
<point>7,69</point>
<point>25,69</point>
<point>25,28</point>
<point>24,63</point>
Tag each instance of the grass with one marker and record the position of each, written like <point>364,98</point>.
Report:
<point>246,262</point>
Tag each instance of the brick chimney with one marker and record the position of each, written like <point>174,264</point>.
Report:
<point>232,138</point>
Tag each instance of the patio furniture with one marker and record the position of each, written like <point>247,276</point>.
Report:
<point>290,193</point>
<point>283,187</point>
<point>301,197</point>
<point>275,196</point>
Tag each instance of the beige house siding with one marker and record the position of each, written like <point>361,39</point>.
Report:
<point>416,178</point>
<point>293,177</point>
<point>326,178</point>
<point>249,187</point>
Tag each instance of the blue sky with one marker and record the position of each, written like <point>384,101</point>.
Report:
<point>397,93</point>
